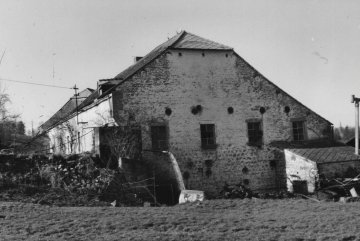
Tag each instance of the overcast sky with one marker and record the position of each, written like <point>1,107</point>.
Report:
<point>309,48</point>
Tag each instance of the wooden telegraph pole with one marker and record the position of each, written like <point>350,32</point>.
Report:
<point>76,103</point>
<point>356,101</point>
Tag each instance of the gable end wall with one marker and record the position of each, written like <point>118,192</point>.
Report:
<point>216,80</point>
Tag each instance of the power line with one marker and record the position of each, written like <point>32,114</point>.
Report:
<point>32,83</point>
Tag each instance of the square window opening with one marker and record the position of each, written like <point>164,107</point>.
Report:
<point>208,140</point>
<point>298,130</point>
<point>159,138</point>
<point>255,133</point>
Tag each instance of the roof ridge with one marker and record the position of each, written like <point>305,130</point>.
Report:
<point>181,36</point>
<point>210,44</point>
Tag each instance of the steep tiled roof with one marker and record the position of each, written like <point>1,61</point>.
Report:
<point>329,154</point>
<point>148,58</point>
<point>67,109</point>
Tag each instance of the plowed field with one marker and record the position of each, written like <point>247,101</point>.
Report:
<point>249,219</point>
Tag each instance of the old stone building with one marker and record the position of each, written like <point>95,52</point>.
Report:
<point>205,104</point>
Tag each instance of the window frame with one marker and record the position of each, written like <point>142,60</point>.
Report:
<point>303,127</point>
<point>159,147</point>
<point>204,136</point>
<point>259,134</point>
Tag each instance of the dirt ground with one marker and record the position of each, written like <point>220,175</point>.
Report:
<point>249,219</point>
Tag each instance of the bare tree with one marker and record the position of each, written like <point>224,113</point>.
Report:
<point>4,101</point>
<point>121,142</point>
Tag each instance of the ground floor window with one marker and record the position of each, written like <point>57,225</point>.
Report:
<point>255,133</point>
<point>159,137</point>
<point>208,140</point>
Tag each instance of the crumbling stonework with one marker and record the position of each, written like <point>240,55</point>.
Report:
<point>215,80</point>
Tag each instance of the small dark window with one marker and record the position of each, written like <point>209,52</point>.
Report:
<point>255,133</point>
<point>159,138</point>
<point>287,109</point>
<point>262,110</point>
<point>208,136</point>
<point>168,111</point>
<point>298,130</point>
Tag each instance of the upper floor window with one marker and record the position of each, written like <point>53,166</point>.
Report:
<point>208,140</point>
<point>159,137</point>
<point>298,128</point>
<point>255,133</point>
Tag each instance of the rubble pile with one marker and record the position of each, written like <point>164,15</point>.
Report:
<point>340,188</point>
<point>241,192</point>
<point>71,181</point>
<point>79,176</point>
<point>83,176</point>
<point>20,170</point>
<point>282,194</point>
<point>235,191</point>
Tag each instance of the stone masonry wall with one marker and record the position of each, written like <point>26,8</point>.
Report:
<point>215,80</point>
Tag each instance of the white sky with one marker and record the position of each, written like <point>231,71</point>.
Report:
<point>310,49</point>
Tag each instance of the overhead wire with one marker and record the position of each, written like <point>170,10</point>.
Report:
<point>46,85</point>
<point>39,84</point>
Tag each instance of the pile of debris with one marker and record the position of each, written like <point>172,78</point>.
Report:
<point>77,176</point>
<point>235,191</point>
<point>83,176</point>
<point>69,181</point>
<point>339,189</point>
<point>239,191</point>
<point>20,170</point>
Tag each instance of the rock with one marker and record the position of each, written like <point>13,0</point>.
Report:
<point>191,196</point>
<point>343,199</point>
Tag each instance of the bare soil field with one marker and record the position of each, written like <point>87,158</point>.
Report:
<point>248,219</point>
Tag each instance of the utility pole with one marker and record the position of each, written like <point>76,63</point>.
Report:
<point>76,102</point>
<point>14,143</point>
<point>32,128</point>
<point>356,101</point>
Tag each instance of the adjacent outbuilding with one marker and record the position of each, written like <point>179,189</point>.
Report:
<point>305,166</point>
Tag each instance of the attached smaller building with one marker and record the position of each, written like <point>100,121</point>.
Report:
<point>305,166</point>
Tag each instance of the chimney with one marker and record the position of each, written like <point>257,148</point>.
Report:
<point>137,58</point>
